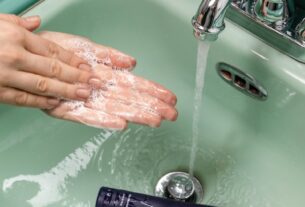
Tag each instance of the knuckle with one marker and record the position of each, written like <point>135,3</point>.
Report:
<point>82,76</point>
<point>67,91</point>
<point>42,85</point>
<point>13,18</point>
<point>71,59</point>
<point>21,98</point>
<point>55,68</point>
<point>40,102</point>
<point>19,36</point>
<point>53,49</point>
<point>5,77</point>
<point>11,56</point>
<point>13,33</point>
<point>74,60</point>
<point>16,57</point>
<point>9,30</point>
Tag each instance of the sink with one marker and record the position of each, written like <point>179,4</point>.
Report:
<point>16,7</point>
<point>250,152</point>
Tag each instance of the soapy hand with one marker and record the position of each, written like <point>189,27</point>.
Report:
<point>118,96</point>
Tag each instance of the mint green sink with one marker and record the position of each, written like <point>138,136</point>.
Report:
<point>16,6</point>
<point>251,152</point>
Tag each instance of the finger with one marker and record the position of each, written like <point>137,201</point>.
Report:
<point>30,23</point>
<point>54,68</point>
<point>46,86</point>
<point>80,45</point>
<point>143,101</point>
<point>128,80</point>
<point>21,98</point>
<point>88,116</point>
<point>129,112</point>
<point>114,58</point>
<point>46,48</point>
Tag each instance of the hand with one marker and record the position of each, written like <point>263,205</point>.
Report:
<point>36,72</point>
<point>121,97</point>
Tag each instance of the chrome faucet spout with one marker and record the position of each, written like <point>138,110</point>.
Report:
<point>208,22</point>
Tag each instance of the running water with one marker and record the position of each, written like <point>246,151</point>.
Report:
<point>202,55</point>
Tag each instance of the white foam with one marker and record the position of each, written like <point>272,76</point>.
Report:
<point>83,49</point>
<point>53,183</point>
<point>89,52</point>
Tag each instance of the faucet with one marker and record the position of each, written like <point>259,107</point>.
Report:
<point>208,22</point>
<point>279,23</point>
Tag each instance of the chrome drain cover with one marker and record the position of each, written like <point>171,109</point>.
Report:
<point>180,186</point>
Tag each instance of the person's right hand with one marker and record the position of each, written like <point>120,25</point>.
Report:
<point>35,72</point>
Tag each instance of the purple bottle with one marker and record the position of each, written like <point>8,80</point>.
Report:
<point>109,197</point>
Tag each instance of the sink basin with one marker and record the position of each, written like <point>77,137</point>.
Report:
<point>250,153</point>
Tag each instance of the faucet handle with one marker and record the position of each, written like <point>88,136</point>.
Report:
<point>275,12</point>
<point>300,31</point>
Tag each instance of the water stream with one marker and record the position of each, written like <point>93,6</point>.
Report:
<point>202,55</point>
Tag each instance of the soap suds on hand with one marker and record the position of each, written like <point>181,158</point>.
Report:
<point>88,52</point>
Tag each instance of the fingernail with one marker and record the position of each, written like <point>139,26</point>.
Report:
<point>85,67</point>
<point>95,82</point>
<point>83,93</point>
<point>32,18</point>
<point>174,101</point>
<point>53,102</point>
<point>133,61</point>
<point>174,116</point>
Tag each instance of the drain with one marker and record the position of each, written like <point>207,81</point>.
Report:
<point>179,186</point>
<point>242,81</point>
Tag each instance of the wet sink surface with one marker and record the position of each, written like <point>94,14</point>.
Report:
<point>250,152</point>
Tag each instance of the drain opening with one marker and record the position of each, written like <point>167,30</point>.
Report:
<point>226,74</point>
<point>253,90</point>
<point>180,186</point>
<point>240,82</point>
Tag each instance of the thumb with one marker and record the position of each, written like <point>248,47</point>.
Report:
<point>30,23</point>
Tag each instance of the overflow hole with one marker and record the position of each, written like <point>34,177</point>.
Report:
<point>240,82</point>
<point>226,74</point>
<point>253,90</point>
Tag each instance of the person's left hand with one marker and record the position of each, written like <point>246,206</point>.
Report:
<point>122,96</point>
